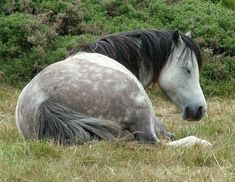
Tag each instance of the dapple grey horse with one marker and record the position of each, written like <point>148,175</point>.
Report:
<point>91,96</point>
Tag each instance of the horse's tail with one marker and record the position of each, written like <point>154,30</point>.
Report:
<point>65,125</point>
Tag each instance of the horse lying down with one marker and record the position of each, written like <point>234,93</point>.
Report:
<point>85,97</point>
<point>90,96</point>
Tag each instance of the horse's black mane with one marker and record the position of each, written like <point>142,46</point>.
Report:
<point>151,48</point>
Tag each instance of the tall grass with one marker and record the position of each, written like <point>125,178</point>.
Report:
<point>28,160</point>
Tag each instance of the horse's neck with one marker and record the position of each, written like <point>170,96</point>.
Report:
<point>145,75</point>
<point>145,68</point>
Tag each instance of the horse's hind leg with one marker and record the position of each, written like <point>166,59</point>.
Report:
<point>144,131</point>
<point>161,131</point>
<point>146,137</point>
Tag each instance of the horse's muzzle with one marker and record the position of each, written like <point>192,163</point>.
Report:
<point>194,113</point>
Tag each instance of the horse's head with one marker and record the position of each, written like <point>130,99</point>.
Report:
<point>179,78</point>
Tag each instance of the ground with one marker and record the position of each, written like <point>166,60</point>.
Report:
<point>25,160</point>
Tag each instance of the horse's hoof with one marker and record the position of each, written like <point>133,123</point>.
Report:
<point>170,136</point>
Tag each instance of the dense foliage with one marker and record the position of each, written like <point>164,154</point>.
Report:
<point>34,34</point>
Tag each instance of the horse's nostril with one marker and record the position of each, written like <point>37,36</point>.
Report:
<point>200,109</point>
<point>187,109</point>
<point>187,112</point>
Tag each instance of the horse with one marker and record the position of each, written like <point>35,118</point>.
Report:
<point>170,59</point>
<point>90,96</point>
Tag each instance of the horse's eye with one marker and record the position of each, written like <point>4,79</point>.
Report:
<point>187,70</point>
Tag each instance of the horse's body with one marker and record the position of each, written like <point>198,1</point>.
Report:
<point>83,97</point>
<point>91,96</point>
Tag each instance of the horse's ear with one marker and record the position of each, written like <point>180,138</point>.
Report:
<point>176,37</point>
<point>189,33</point>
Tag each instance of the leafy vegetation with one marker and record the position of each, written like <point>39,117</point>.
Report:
<point>230,4</point>
<point>34,34</point>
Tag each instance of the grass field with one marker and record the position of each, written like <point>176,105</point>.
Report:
<point>22,160</point>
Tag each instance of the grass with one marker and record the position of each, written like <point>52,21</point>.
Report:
<point>27,160</point>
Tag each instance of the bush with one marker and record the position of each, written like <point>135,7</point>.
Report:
<point>34,34</point>
<point>230,4</point>
<point>23,42</point>
<point>218,76</point>
<point>213,27</point>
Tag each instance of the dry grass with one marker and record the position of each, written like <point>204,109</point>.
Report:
<point>22,160</point>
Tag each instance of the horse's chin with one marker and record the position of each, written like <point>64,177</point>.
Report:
<point>191,119</point>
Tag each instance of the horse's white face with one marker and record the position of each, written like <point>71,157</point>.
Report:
<point>179,79</point>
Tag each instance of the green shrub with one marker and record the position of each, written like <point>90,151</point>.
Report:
<point>212,26</point>
<point>30,37</point>
<point>230,4</point>
<point>35,7</point>
<point>34,34</point>
<point>218,76</point>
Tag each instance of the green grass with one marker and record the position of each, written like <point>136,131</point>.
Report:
<point>27,160</point>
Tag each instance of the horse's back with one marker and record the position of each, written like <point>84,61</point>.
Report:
<point>92,79</point>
